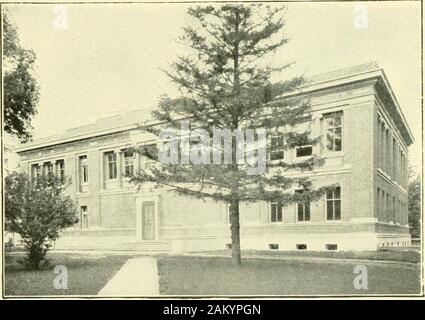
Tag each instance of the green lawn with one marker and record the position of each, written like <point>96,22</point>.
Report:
<point>217,276</point>
<point>391,254</point>
<point>87,274</point>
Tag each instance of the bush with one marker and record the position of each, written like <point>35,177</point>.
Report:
<point>37,209</point>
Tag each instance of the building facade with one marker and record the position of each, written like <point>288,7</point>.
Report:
<point>365,140</point>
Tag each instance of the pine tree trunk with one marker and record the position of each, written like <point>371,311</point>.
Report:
<point>235,232</point>
<point>234,205</point>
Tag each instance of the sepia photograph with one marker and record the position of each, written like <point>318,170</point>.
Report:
<point>212,150</point>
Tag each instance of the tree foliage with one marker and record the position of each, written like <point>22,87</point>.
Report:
<point>21,91</point>
<point>37,209</point>
<point>226,84</point>
<point>414,204</point>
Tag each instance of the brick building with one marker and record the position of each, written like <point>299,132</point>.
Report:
<point>365,145</point>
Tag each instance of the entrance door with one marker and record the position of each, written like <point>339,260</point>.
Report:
<point>148,220</point>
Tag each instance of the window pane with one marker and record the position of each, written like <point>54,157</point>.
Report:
<point>276,155</point>
<point>279,213</point>
<point>337,120</point>
<point>273,212</point>
<point>304,151</point>
<point>307,208</point>
<point>280,142</point>
<point>338,193</point>
<point>329,121</point>
<point>307,211</point>
<point>300,212</point>
<point>330,139</point>
<point>338,139</point>
<point>115,169</point>
<point>338,210</point>
<point>329,210</point>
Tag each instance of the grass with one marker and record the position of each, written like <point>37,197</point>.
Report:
<point>87,274</point>
<point>211,276</point>
<point>391,254</point>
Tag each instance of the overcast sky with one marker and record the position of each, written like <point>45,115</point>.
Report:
<point>108,59</point>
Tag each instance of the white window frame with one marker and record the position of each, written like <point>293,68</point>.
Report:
<point>84,217</point>
<point>279,149</point>
<point>108,162</point>
<point>306,146</point>
<point>128,162</point>
<point>83,169</point>
<point>334,200</point>
<point>326,128</point>
<point>303,204</point>
<point>278,205</point>
<point>60,171</point>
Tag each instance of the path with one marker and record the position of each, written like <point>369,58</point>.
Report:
<point>137,277</point>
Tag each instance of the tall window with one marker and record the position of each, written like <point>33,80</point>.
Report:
<point>393,211</point>
<point>388,152</point>
<point>303,209</point>
<point>333,204</point>
<point>382,146</point>
<point>394,159</point>
<point>84,169</point>
<point>333,127</point>
<point>60,169</point>
<point>84,217</point>
<point>48,169</point>
<point>388,208</point>
<point>35,170</point>
<point>276,148</point>
<point>275,212</point>
<point>378,204</point>
<point>128,163</point>
<point>111,165</point>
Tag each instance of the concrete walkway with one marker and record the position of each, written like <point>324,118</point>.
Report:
<point>137,277</point>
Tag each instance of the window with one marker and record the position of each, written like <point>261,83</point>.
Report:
<point>378,203</point>
<point>276,148</point>
<point>382,146</point>
<point>331,246</point>
<point>333,204</point>
<point>275,212</point>
<point>394,173</point>
<point>388,208</point>
<point>84,170</point>
<point>273,246</point>
<point>393,209</point>
<point>302,246</point>
<point>111,165</point>
<point>128,163</point>
<point>303,209</point>
<point>304,151</point>
<point>60,169</point>
<point>333,127</point>
<point>36,170</point>
<point>84,217</point>
<point>48,169</point>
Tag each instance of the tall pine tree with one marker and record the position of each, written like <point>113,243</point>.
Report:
<point>226,84</point>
